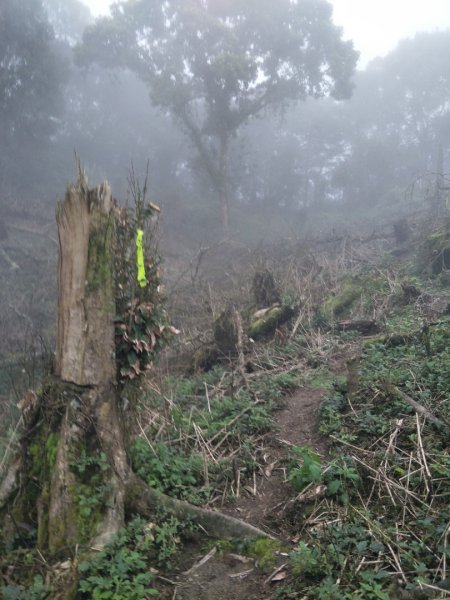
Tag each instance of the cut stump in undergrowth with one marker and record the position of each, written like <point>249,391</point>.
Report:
<point>72,482</point>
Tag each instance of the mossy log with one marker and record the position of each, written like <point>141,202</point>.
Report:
<point>265,322</point>
<point>340,305</point>
<point>392,340</point>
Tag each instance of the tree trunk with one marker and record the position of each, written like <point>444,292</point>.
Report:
<point>73,467</point>
<point>439,182</point>
<point>224,183</point>
<point>217,170</point>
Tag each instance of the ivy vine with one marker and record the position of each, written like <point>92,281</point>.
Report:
<point>142,326</point>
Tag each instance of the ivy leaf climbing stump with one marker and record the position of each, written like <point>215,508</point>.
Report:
<point>72,481</point>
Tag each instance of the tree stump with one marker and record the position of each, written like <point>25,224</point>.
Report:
<point>72,481</point>
<point>265,290</point>
<point>226,333</point>
<point>402,231</point>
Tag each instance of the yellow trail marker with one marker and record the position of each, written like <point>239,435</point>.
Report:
<point>140,259</point>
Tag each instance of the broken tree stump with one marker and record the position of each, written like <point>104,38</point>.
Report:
<point>86,303</point>
<point>72,481</point>
<point>264,289</point>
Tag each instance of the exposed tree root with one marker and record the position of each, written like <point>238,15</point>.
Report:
<point>144,500</point>
<point>95,417</point>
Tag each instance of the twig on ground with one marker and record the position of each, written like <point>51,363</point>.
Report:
<point>274,573</point>
<point>201,562</point>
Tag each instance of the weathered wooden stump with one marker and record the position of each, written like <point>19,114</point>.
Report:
<point>72,481</point>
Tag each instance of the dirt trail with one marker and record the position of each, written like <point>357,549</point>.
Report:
<point>297,426</point>
<point>225,577</point>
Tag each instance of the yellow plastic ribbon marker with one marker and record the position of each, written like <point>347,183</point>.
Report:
<point>140,259</point>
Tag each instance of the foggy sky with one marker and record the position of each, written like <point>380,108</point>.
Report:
<point>375,26</point>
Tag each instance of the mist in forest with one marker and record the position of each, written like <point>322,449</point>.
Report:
<point>253,119</point>
<point>278,143</point>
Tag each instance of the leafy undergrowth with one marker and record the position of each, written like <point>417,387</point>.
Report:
<point>121,569</point>
<point>373,520</point>
<point>199,438</point>
<point>126,569</point>
<point>381,531</point>
<point>197,433</point>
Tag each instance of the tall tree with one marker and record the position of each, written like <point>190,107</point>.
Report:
<point>216,64</point>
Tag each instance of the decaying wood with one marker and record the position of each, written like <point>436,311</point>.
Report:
<point>264,289</point>
<point>240,345</point>
<point>410,293</point>
<point>402,231</point>
<point>86,304</point>
<point>364,326</point>
<point>353,375</point>
<point>226,333</point>
<point>394,340</point>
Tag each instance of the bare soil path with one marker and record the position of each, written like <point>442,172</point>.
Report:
<point>224,576</point>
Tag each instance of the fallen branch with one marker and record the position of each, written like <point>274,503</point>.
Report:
<point>201,562</point>
<point>364,326</point>
<point>392,390</point>
<point>275,573</point>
